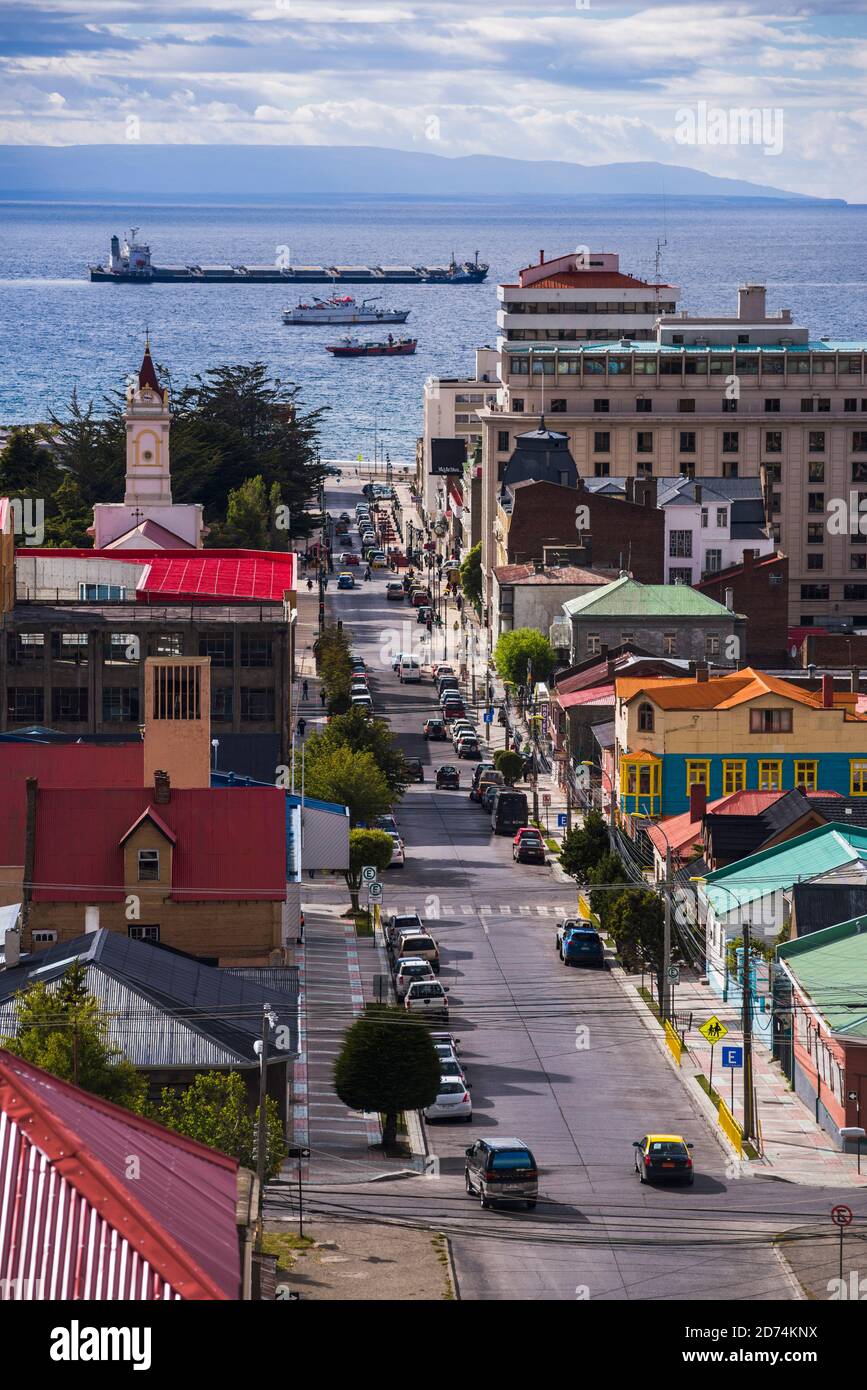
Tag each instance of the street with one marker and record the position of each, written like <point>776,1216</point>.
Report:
<point>555,1056</point>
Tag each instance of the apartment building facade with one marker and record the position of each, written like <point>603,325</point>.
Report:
<point>748,396</point>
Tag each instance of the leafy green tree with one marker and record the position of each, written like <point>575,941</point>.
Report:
<point>352,779</point>
<point>636,921</point>
<point>334,661</point>
<point>247,520</point>
<point>28,467</point>
<point>366,847</point>
<point>64,1030</point>
<point>279,520</point>
<point>356,730</point>
<point>584,846</point>
<point>387,1064</point>
<point>214,1111</point>
<point>71,517</point>
<point>91,448</point>
<point>510,764</point>
<point>471,575</point>
<point>523,649</point>
<point>607,871</point>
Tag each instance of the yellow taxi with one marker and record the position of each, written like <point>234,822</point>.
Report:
<point>664,1158</point>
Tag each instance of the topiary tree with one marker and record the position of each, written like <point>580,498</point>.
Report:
<point>524,656</point>
<point>366,847</point>
<point>387,1064</point>
<point>584,846</point>
<point>510,764</point>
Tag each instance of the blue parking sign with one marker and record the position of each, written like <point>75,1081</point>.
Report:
<point>732,1056</point>
<point>561,820</point>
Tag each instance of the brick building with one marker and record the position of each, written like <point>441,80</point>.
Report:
<point>613,533</point>
<point>758,588</point>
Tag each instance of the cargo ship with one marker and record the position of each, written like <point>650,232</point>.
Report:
<point>130,264</point>
<point>357,347</point>
<point>343,309</point>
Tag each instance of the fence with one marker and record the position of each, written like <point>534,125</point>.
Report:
<point>672,1037</point>
<point>730,1127</point>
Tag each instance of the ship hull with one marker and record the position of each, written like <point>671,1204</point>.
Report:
<point>374,350</point>
<point>308,275</point>
<point>347,320</point>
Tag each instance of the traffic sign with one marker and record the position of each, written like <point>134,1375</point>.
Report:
<point>297,1153</point>
<point>374,892</point>
<point>673,973</point>
<point>732,1056</point>
<point>561,820</point>
<point>546,798</point>
<point>841,1216</point>
<point>368,873</point>
<point>713,1030</point>
<point>488,716</point>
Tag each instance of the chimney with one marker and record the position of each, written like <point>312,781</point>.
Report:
<point>29,852</point>
<point>649,492</point>
<point>11,948</point>
<point>855,680</point>
<point>730,599</point>
<point>162,789</point>
<point>629,492</point>
<point>702,674</point>
<point>698,494</point>
<point>603,651</point>
<point>748,557</point>
<point>751,303</point>
<point>697,801</point>
<point>827,692</point>
<point>611,668</point>
<point>542,257</point>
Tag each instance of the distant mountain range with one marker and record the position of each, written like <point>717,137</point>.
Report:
<point>273,173</point>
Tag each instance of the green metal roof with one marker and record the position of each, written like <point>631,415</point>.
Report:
<point>626,346</point>
<point>831,968</point>
<point>628,598</point>
<point>777,869</point>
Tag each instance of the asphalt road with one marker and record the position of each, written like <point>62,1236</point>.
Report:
<point>555,1056</point>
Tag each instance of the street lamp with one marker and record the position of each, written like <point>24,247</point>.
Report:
<point>666,936</point>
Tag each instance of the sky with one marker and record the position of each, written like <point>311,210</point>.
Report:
<point>579,80</point>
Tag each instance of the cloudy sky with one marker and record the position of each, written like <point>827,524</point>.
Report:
<point>589,81</point>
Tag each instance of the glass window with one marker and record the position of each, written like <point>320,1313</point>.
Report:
<point>687,441</point>
<point>148,865</point>
<point>734,775</point>
<point>68,706</point>
<point>257,706</point>
<point>142,932</point>
<point>69,648</point>
<point>697,773</point>
<point>817,441</point>
<point>166,644</point>
<point>816,470</point>
<point>773,441</point>
<point>601,406</point>
<point>256,651</point>
<point>711,644</point>
<point>644,442</point>
<point>730,441</point>
<point>222,702</point>
<point>602,441</point>
<point>25,648</point>
<point>120,705</point>
<point>680,544</point>
<point>25,704</point>
<point>770,775</point>
<point>770,721</point>
<point>858,777</point>
<point>594,643</point>
<point>669,644</point>
<point>645,717</point>
<point>806,774</point>
<point>722,516</point>
<point>219,646</point>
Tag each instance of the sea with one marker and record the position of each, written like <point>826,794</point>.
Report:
<point>59,332</point>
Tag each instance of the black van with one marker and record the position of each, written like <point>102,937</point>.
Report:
<point>501,1170</point>
<point>509,811</point>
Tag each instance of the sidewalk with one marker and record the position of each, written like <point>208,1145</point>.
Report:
<point>795,1147</point>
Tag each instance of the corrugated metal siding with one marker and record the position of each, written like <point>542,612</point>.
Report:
<point>326,840</point>
<point>53,1243</point>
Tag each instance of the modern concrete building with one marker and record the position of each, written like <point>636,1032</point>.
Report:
<point>450,413</point>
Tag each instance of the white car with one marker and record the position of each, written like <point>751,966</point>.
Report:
<point>407,970</point>
<point>452,1102</point>
<point>427,997</point>
<point>398,852</point>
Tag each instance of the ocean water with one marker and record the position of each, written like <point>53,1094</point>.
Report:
<point>59,332</point>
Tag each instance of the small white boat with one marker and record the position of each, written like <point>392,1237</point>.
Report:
<point>343,308</point>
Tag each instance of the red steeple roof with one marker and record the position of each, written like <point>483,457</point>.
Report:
<point>147,375</point>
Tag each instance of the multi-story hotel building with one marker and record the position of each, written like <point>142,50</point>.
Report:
<point>641,391</point>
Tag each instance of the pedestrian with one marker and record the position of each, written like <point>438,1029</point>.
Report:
<point>309,585</point>
<point>322,698</point>
<point>302,725</point>
<point>304,690</point>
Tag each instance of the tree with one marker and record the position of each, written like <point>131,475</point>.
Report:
<point>28,467</point>
<point>71,517</point>
<point>356,730</point>
<point>387,1064</point>
<point>510,764</point>
<point>524,650</point>
<point>63,1030</point>
<point>214,1110</point>
<point>247,521</point>
<point>334,663</point>
<point>608,871</point>
<point>636,921</point>
<point>584,846</point>
<point>471,575</point>
<point>366,847</point>
<point>351,779</point>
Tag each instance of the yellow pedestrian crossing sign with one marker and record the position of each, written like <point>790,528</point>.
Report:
<point>713,1030</point>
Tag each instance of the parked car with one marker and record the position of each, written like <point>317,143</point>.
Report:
<point>387,823</point>
<point>570,924</point>
<point>448,776</point>
<point>451,1070</point>
<point>398,852</point>
<point>491,778</point>
<point>441,668</point>
<point>410,968</point>
<point>583,946</point>
<point>394,590</point>
<point>449,682</point>
<point>378,560</point>
<point>419,598</point>
<point>434,729</point>
<point>664,1158</point>
<point>461,727</point>
<point>420,945</point>
<point>453,709</point>
<point>415,767</point>
<point>488,793</point>
<point>528,846</point>
<point>427,997</point>
<point>453,1042</point>
<point>348,557</point>
<point>509,811</point>
<point>501,1170</point>
<point>409,669</point>
<point>400,922</point>
<point>445,1051</point>
<point>452,1102</point>
<point>363,701</point>
<point>478,772</point>
<point>358,664</point>
<point>345,580</point>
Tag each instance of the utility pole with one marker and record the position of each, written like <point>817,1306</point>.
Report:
<point>747,1005</point>
<point>666,936</point>
<point>262,1130</point>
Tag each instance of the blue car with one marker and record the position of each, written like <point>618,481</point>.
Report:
<point>583,946</point>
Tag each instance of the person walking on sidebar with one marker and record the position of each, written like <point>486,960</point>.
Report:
<point>304,690</point>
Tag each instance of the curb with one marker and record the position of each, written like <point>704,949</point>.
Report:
<point>452,1272</point>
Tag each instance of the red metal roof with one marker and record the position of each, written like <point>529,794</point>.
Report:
<point>227,846</point>
<point>198,575</point>
<point>596,695</point>
<point>78,1228</point>
<point>56,765</point>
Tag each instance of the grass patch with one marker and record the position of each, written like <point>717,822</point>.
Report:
<point>651,1004</point>
<point>749,1149</point>
<point>439,1244</point>
<point>286,1245</point>
<point>553,845</point>
<point>363,924</point>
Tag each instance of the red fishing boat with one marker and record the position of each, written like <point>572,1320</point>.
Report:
<point>357,347</point>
